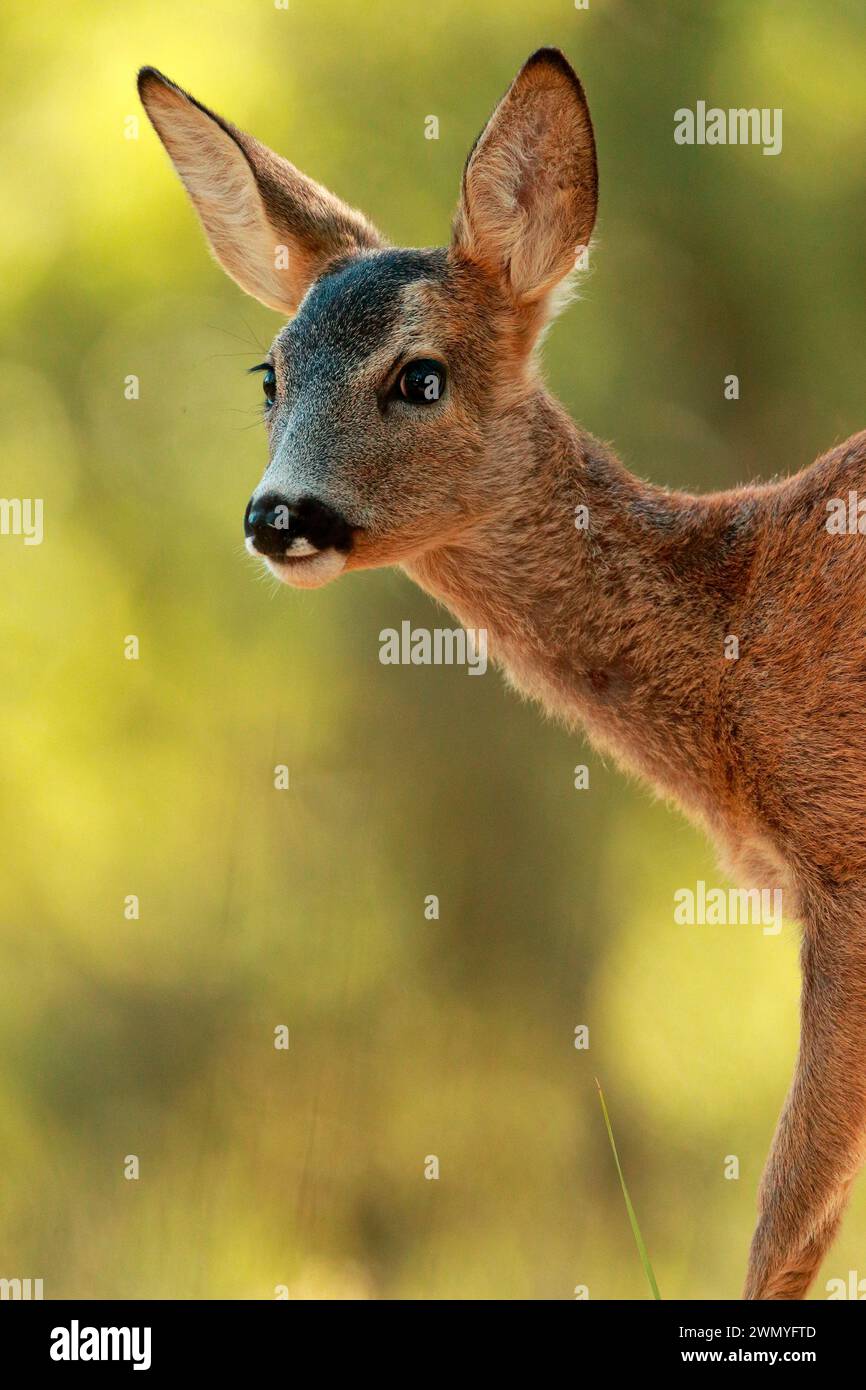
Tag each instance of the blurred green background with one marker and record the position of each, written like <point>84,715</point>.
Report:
<point>305,907</point>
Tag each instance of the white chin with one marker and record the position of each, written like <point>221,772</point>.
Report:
<point>308,571</point>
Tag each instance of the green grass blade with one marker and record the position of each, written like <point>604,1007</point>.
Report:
<point>638,1238</point>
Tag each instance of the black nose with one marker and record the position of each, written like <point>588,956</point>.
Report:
<point>272,522</point>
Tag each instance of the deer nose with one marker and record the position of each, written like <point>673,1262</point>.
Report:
<point>273,525</point>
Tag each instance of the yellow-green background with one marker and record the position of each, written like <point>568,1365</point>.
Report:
<point>305,907</point>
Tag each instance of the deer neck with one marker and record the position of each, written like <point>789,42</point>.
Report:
<point>607,599</point>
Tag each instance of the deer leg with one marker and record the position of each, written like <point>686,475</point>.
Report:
<point>819,1142</point>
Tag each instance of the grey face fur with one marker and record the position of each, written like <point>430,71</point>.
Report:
<point>332,377</point>
<point>340,434</point>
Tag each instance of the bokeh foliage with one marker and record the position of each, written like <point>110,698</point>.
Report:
<point>155,777</point>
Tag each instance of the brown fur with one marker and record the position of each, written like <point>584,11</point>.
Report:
<point>621,627</point>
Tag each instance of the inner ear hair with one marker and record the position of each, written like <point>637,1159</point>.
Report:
<point>530,185</point>
<point>272,229</point>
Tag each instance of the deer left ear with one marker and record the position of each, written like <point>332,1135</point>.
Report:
<point>271,228</point>
<point>530,185</point>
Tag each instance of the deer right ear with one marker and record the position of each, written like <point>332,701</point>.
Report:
<point>530,186</point>
<point>271,228</point>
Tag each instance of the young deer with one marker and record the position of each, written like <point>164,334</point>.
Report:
<point>408,425</point>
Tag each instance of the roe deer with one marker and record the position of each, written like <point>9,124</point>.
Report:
<point>408,425</point>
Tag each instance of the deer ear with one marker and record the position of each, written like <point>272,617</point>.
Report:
<point>530,185</point>
<point>271,228</point>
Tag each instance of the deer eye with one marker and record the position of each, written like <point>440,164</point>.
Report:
<point>269,385</point>
<point>422,382</point>
<point>269,381</point>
